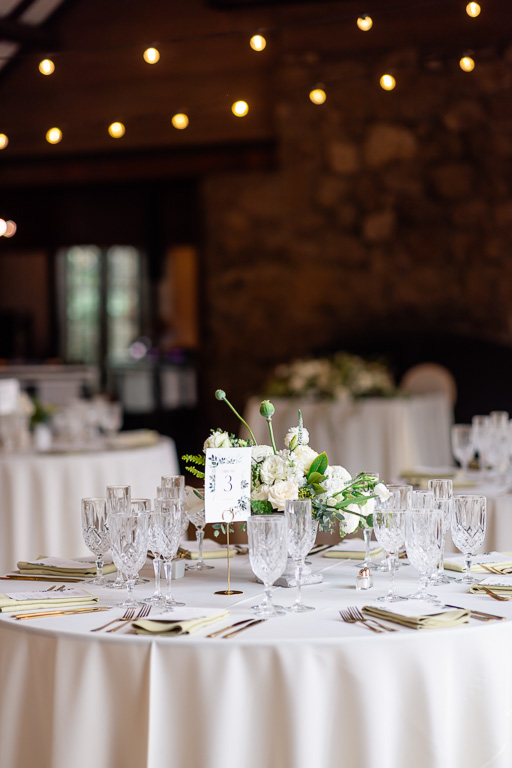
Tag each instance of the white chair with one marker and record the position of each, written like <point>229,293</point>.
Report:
<point>429,378</point>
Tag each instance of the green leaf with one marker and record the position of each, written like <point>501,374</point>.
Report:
<point>320,464</point>
<point>369,521</point>
<point>315,477</point>
<point>261,507</point>
<point>318,488</point>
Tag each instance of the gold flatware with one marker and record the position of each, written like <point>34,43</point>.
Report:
<point>144,611</point>
<point>56,579</point>
<point>128,614</point>
<point>359,617</point>
<point>63,612</point>
<point>316,550</point>
<point>231,626</point>
<point>242,629</point>
<point>494,594</point>
<point>478,614</point>
<point>494,569</point>
<point>346,616</point>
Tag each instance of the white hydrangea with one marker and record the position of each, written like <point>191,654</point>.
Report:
<point>260,452</point>
<point>273,469</point>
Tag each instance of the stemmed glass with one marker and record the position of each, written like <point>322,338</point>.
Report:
<point>268,552</point>
<point>194,507</point>
<point>157,598</point>
<point>389,528</point>
<point>168,522</point>
<point>299,520</point>
<point>401,502</point>
<point>481,426</point>
<point>367,531</point>
<point>468,529</point>
<point>443,500</point>
<point>96,533</point>
<point>129,542</point>
<point>423,541</point>
<point>118,501</point>
<point>463,446</point>
<point>173,487</point>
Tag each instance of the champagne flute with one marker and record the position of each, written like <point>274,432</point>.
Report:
<point>443,498</point>
<point>129,542</point>
<point>169,517</point>
<point>268,552</point>
<point>468,529</point>
<point>157,598</point>
<point>96,533</point>
<point>118,501</point>
<point>194,508</point>
<point>299,519</point>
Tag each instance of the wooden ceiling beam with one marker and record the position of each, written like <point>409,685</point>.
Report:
<point>27,35</point>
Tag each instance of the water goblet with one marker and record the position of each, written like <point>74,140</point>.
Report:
<point>168,522</point>
<point>399,502</point>
<point>268,552</point>
<point>173,486</point>
<point>423,540</point>
<point>194,508</point>
<point>463,446</point>
<point>468,529</point>
<point>118,500</point>
<point>140,506</point>
<point>299,519</point>
<point>129,543</point>
<point>443,500</point>
<point>96,533</point>
<point>389,529</point>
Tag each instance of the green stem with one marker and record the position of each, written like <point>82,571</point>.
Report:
<point>269,422</point>
<point>242,420</point>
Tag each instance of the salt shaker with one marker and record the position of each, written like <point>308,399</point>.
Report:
<point>364,579</point>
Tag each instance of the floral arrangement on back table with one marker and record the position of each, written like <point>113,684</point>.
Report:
<point>298,472</point>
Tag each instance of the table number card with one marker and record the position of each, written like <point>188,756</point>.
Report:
<point>227,484</point>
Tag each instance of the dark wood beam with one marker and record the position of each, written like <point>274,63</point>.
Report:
<point>27,35</point>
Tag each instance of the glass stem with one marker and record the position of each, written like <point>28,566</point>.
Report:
<point>440,568</point>
<point>156,568</point>
<point>423,584</point>
<point>168,577</point>
<point>391,590</point>
<point>267,602</point>
<point>99,567</point>
<point>467,560</point>
<point>200,539</point>
<point>298,579</point>
<point>130,583</point>
<point>367,535</point>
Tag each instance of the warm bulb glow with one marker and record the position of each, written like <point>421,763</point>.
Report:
<point>317,96</point>
<point>180,121</point>
<point>257,42</point>
<point>10,228</point>
<point>3,227</point>
<point>3,141</point>
<point>53,136</point>
<point>473,10</point>
<point>116,130</point>
<point>364,23</point>
<point>240,108</point>
<point>151,55</point>
<point>46,67</point>
<point>387,82</point>
<point>467,64</point>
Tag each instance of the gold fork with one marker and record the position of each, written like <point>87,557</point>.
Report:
<point>359,616</point>
<point>346,616</point>
<point>143,612</point>
<point>128,614</point>
<point>494,594</point>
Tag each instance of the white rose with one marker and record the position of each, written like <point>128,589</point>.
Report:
<point>304,457</point>
<point>260,493</point>
<point>282,491</point>
<point>260,452</point>
<point>217,440</point>
<point>272,469</point>
<point>382,492</point>
<point>350,522</point>
<point>295,431</point>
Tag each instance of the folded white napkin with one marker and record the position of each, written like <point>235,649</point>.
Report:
<point>352,549</point>
<point>418,614</point>
<point>13,601</point>
<point>211,550</point>
<point>58,566</point>
<point>500,584</point>
<point>496,559</point>
<point>181,621</point>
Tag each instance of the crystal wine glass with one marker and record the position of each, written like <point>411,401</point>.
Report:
<point>463,446</point>
<point>389,529</point>
<point>268,552</point>
<point>129,542</point>
<point>194,507</point>
<point>299,519</point>
<point>157,598</point>
<point>168,522</point>
<point>118,500</point>
<point>399,502</point>
<point>96,533</point>
<point>443,500</point>
<point>423,541</point>
<point>468,529</point>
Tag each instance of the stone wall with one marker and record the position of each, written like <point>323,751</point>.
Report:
<point>389,211</point>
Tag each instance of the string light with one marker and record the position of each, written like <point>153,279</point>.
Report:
<point>467,64</point>
<point>180,121</point>
<point>364,23</point>
<point>116,130</point>
<point>53,136</point>
<point>46,67</point>
<point>3,141</point>
<point>473,10</point>
<point>151,55</point>
<point>10,228</point>
<point>258,42</point>
<point>240,108</point>
<point>387,82</point>
<point>3,227</point>
<point>317,95</point>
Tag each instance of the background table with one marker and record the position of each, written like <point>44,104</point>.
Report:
<point>294,692</point>
<point>384,435</point>
<point>40,495</point>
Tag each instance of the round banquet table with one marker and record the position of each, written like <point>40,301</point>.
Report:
<point>293,692</point>
<point>40,495</point>
<point>384,435</point>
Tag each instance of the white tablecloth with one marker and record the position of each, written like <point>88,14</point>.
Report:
<point>381,435</point>
<point>294,692</point>
<point>40,495</point>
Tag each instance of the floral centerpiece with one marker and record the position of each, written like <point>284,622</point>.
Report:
<point>336,377</point>
<point>297,471</point>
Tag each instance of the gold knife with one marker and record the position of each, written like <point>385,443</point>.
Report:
<point>473,613</point>
<point>46,614</point>
<point>40,578</point>
<point>242,629</point>
<point>231,626</point>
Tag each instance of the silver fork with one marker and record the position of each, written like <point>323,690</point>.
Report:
<point>143,612</point>
<point>128,614</point>
<point>359,616</point>
<point>346,616</point>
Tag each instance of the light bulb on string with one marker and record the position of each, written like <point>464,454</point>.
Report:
<point>46,67</point>
<point>151,55</point>
<point>53,136</point>
<point>387,82</point>
<point>467,64</point>
<point>116,130</point>
<point>3,141</point>
<point>473,10</point>
<point>317,95</point>
<point>364,22</point>
<point>258,43</point>
<point>3,227</point>
<point>240,108</point>
<point>180,121</point>
<point>10,228</point>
